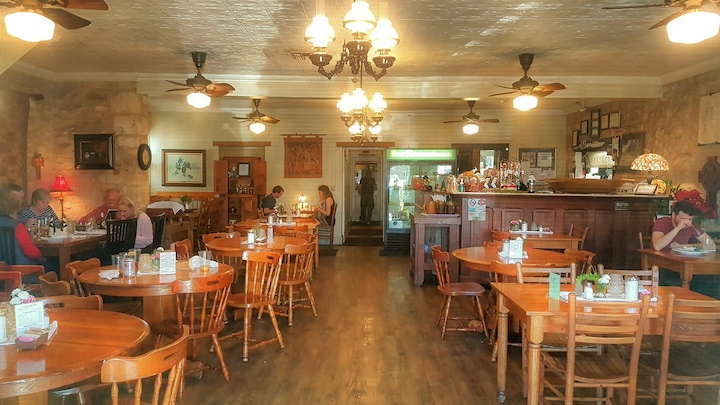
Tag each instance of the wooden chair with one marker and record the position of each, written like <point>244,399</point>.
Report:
<point>308,237</point>
<point>498,235</point>
<point>261,281</point>
<point>290,230</point>
<point>582,238</point>
<point>607,323</point>
<point>171,358</point>
<point>298,263</point>
<point>646,278</point>
<point>7,245</point>
<point>158,223</point>
<point>120,236</point>
<point>29,272</point>
<point>93,302</point>
<point>232,258</point>
<point>645,241</point>
<point>50,286</point>
<point>691,345</point>
<point>200,305</point>
<point>78,267</point>
<point>11,280</point>
<point>583,259</point>
<point>217,235</point>
<point>449,290</point>
<point>327,232</point>
<point>183,249</point>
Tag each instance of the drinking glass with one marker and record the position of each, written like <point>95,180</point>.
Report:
<point>616,286</point>
<point>206,256</point>
<point>117,261</point>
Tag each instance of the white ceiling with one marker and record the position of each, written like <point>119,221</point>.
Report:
<point>449,50</point>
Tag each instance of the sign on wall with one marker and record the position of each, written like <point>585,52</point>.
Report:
<point>303,156</point>
<point>477,209</point>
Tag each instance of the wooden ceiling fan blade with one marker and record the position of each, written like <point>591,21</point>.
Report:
<point>506,87</point>
<point>638,6</point>
<point>270,120</point>
<point>242,119</point>
<point>178,83</point>
<point>185,89</point>
<point>671,17</point>
<point>10,4</point>
<point>81,4</point>
<point>550,87</point>
<point>65,19</point>
<point>540,94</point>
<point>489,120</point>
<point>452,122</point>
<point>502,94</point>
<point>219,89</point>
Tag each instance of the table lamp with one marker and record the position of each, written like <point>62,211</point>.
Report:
<point>650,162</point>
<point>61,190</point>
<point>301,201</point>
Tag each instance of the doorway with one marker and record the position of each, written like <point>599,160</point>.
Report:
<point>359,163</point>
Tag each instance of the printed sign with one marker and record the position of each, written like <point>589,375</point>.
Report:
<point>477,209</point>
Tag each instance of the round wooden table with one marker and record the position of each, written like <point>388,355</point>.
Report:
<point>240,244</point>
<point>479,258</point>
<point>83,341</point>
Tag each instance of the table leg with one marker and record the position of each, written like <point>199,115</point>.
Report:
<point>64,258</point>
<point>574,245</point>
<point>534,333</point>
<point>686,275</point>
<point>419,254</point>
<point>317,248</point>
<point>502,340</point>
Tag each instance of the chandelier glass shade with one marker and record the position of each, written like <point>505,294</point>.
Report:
<point>525,102</point>
<point>471,128</point>
<point>693,27</point>
<point>650,162</point>
<point>361,115</point>
<point>256,127</point>
<point>29,26</point>
<point>198,99</point>
<point>367,33</point>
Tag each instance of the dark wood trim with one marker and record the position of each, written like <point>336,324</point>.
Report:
<point>241,144</point>
<point>368,145</point>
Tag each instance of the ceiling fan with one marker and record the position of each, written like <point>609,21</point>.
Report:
<point>257,119</point>
<point>471,120</point>
<point>57,15</point>
<point>688,6</point>
<point>582,105</point>
<point>203,88</point>
<point>526,86</point>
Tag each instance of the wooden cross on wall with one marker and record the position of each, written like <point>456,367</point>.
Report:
<point>709,177</point>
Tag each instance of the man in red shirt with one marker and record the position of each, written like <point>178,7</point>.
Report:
<point>111,199</point>
<point>679,228</point>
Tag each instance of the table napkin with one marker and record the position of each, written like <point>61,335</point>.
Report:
<point>109,274</point>
<point>197,261</point>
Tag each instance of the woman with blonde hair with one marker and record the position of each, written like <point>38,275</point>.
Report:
<point>144,234</point>
<point>326,205</point>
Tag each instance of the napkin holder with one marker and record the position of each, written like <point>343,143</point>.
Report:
<point>515,250</point>
<point>35,337</point>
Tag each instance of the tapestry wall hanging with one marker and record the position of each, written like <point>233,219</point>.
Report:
<point>303,156</point>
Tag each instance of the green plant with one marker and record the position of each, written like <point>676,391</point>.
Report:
<point>185,199</point>
<point>594,277</point>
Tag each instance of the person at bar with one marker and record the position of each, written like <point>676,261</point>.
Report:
<point>110,203</point>
<point>270,200</point>
<point>327,201</point>
<point>39,211</point>
<point>367,188</point>
<point>678,228</point>
<point>144,234</point>
<point>11,197</point>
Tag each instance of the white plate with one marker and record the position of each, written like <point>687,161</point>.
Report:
<point>690,252</point>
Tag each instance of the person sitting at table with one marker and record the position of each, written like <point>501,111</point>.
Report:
<point>10,202</point>
<point>270,200</point>
<point>326,205</point>
<point>679,228</point>
<point>144,234</point>
<point>111,198</point>
<point>39,210</point>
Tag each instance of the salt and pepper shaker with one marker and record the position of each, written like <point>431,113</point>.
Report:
<point>270,233</point>
<point>524,226</point>
<point>506,247</point>
<point>588,291</point>
<point>631,289</point>
<point>251,236</point>
<point>3,330</point>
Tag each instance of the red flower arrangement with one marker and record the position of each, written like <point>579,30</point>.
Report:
<point>694,198</point>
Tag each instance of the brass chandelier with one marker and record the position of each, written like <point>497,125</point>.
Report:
<point>359,21</point>
<point>361,115</point>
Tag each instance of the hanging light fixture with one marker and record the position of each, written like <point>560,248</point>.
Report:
<point>198,99</point>
<point>256,127</point>
<point>471,128</point>
<point>359,21</point>
<point>525,102</point>
<point>693,27</point>
<point>29,26</point>
<point>361,115</point>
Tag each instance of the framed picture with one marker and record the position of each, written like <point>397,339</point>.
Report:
<point>605,121</point>
<point>631,146</point>
<point>584,127</point>
<point>538,158</point>
<point>614,120</point>
<point>575,137</point>
<point>594,118</point>
<point>243,169</point>
<point>529,156</point>
<point>184,167</point>
<point>94,152</point>
<point>645,189</point>
<point>595,132</point>
<point>303,157</point>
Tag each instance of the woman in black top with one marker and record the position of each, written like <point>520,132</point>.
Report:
<point>326,205</point>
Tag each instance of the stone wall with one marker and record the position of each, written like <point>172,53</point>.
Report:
<point>14,106</point>
<point>70,108</point>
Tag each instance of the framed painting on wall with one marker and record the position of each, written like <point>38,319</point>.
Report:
<point>631,146</point>
<point>538,158</point>
<point>184,167</point>
<point>584,127</point>
<point>94,152</point>
<point>303,156</point>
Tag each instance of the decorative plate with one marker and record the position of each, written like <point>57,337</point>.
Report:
<point>661,186</point>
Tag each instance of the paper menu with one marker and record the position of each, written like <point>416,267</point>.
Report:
<point>554,286</point>
<point>30,315</point>
<point>167,262</point>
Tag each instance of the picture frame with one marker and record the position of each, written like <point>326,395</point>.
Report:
<point>645,189</point>
<point>575,137</point>
<point>243,169</point>
<point>538,158</point>
<point>595,132</point>
<point>584,127</point>
<point>614,120</point>
<point>183,167</point>
<point>605,121</point>
<point>94,151</point>
<point>631,146</point>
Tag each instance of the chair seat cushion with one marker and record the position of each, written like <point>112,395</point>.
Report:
<point>589,367</point>
<point>467,288</point>
<point>248,301</point>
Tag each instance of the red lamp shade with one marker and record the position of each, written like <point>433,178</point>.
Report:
<point>60,188</point>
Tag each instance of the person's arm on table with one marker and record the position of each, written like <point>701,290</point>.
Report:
<point>26,244</point>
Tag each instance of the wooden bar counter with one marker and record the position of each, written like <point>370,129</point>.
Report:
<point>614,220</point>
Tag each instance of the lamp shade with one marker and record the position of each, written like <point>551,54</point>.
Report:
<point>693,27</point>
<point>29,26</point>
<point>198,100</point>
<point>359,19</point>
<point>471,129</point>
<point>525,102</point>
<point>257,127</point>
<point>650,162</point>
<point>60,188</point>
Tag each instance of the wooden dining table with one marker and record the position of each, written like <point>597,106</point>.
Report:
<point>684,264</point>
<point>479,258</point>
<point>547,240</point>
<point>153,288</point>
<point>64,248</point>
<point>84,340</point>
<point>240,244</point>
<point>529,303</point>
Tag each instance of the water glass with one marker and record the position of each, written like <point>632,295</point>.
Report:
<point>117,261</point>
<point>206,256</point>
<point>616,286</point>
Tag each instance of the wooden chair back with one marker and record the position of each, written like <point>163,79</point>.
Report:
<point>582,238</point>
<point>290,230</point>
<point>120,236</point>
<point>50,286</point>
<point>77,268</point>
<point>500,235</point>
<point>691,338</point>
<point>308,237</point>
<point>262,273</point>
<point>441,260</point>
<point>7,245</point>
<point>243,227</point>
<point>607,323</point>
<point>583,259</point>
<point>158,223</point>
<point>206,298</point>
<point>326,232</point>
<point>232,258</point>
<point>10,281</point>
<point>117,370</point>
<point>531,274</point>
<point>497,244</point>
<point>218,235</point>
<point>93,302</point>
<point>646,278</point>
<point>183,249</point>
<point>24,269</point>
<point>298,262</point>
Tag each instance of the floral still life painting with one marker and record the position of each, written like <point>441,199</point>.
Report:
<point>184,167</point>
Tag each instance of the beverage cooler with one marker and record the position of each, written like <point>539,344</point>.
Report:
<point>409,172</point>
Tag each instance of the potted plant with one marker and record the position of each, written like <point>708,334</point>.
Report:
<point>592,276</point>
<point>185,200</point>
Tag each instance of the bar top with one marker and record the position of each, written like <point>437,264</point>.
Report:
<point>526,194</point>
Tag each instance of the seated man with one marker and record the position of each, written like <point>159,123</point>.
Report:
<point>111,199</point>
<point>679,228</point>
<point>270,200</point>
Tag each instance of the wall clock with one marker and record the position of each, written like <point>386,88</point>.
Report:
<point>144,156</point>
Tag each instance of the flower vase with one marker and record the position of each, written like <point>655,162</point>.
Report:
<point>600,290</point>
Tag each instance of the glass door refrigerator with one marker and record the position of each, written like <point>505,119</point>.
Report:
<point>406,171</point>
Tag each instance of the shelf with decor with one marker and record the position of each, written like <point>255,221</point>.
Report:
<point>241,181</point>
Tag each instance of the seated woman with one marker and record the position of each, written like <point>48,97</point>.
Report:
<point>38,211</point>
<point>25,250</point>
<point>144,234</point>
<point>679,228</point>
<point>326,205</point>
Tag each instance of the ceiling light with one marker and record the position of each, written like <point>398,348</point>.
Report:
<point>256,127</point>
<point>471,128</point>
<point>359,21</point>
<point>29,26</point>
<point>198,99</point>
<point>525,102</point>
<point>357,114</point>
<point>693,27</point>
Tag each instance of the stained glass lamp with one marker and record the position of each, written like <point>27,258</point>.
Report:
<point>650,162</point>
